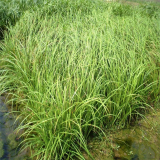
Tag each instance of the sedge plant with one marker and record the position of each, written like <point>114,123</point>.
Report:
<point>77,70</point>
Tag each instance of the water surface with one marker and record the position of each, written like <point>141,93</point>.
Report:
<point>9,139</point>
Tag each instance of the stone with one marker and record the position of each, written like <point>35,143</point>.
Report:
<point>13,144</point>
<point>1,149</point>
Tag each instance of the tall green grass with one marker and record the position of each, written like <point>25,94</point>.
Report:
<point>12,10</point>
<point>75,68</point>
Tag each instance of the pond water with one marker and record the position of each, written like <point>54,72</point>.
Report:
<point>139,142</point>
<point>135,144</point>
<point>9,140</point>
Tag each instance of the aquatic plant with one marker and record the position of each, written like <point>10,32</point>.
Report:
<point>75,68</point>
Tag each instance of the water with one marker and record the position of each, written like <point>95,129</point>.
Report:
<point>9,139</point>
<point>139,142</point>
<point>133,149</point>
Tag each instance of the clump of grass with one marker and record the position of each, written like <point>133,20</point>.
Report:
<point>73,75</point>
<point>150,10</point>
<point>123,10</point>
